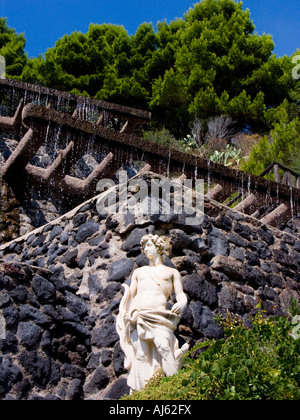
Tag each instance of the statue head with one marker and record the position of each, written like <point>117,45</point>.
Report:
<point>159,243</point>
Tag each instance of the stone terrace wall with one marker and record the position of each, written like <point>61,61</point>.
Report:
<point>56,344</point>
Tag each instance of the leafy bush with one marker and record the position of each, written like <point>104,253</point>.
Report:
<point>283,147</point>
<point>261,363</point>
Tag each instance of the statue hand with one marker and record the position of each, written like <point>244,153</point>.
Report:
<point>177,308</point>
<point>132,317</point>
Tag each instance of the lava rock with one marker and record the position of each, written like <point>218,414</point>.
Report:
<point>197,288</point>
<point>204,323</point>
<point>118,390</point>
<point>106,336</point>
<point>9,374</point>
<point>180,240</point>
<point>43,289</point>
<point>69,258</point>
<point>135,237</point>
<point>217,243</point>
<point>99,381</point>
<point>36,366</point>
<point>120,269</point>
<point>55,232</point>
<point>28,333</point>
<point>86,230</point>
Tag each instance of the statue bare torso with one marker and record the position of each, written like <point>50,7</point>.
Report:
<point>153,287</point>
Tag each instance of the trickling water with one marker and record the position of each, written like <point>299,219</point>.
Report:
<point>168,165</point>
<point>208,175</point>
<point>292,203</point>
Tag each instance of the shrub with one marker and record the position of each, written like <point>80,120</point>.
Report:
<point>261,363</point>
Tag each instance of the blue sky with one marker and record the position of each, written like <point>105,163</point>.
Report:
<point>44,21</point>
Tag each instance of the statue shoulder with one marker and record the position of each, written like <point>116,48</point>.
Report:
<point>140,270</point>
<point>171,271</point>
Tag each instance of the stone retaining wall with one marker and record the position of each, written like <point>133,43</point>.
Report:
<point>57,344</point>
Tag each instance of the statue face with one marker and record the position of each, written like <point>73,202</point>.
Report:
<point>150,250</point>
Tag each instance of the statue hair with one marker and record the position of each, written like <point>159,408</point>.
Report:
<point>158,241</point>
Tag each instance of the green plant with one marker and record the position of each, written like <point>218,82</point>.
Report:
<point>189,142</point>
<point>261,363</point>
<point>294,308</point>
<point>231,155</point>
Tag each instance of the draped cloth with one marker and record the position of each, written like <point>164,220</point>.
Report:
<point>151,325</point>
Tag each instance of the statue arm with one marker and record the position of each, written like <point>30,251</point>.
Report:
<point>181,299</point>
<point>131,314</point>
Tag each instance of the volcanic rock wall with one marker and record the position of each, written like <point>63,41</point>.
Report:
<point>57,343</point>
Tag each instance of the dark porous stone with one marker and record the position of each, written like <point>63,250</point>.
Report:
<point>9,374</point>
<point>118,390</point>
<point>82,259</point>
<point>228,299</point>
<point>135,237</point>
<point>5,300</point>
<point>236,240</point>
<point>64,237</point>
<point>106,357</point>
<point>11,315</point>
<point>297,246</point>
<point>223,222</point>
<point>94,284</point>
<point>72,371</point>
<point>46,341</point>
<point>9,344</point>
<point>43,289</point>
<point>217,243</point>
<point>142,260</point>
<point>39,241</point>
<point>261,249</point>
<point>99,380</point>
<point>204,323</point>
<point>79,219</point>
<point>28,333</point>
<point>76,304</point>
<point>86,230</point>
<point>120,269</point>
<point>101,251</point>
<point>197,288</point>
<point>107,335</point>
<point>55,232</point>
<point>253,259</point>
<point>75,390</point>
<point>243,230</point>
<point>282,257</point>
<point>19,294</point>
<point>238,254</point>
<point>30,239</point>
<point>253,276</point>
<point>70,258</point>
<point>266,235</point>
<point>111,223</point>
<point>118,360</point>
<point>180,240</point>
<point>274,280</point>
<point>37,366</point>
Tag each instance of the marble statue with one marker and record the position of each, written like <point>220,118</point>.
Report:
<point>146,328</point>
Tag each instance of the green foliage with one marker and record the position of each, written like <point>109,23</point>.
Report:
<point>261,363</point>
<point>282,146</point>
<point>12,48</point>
<point>209,63</point>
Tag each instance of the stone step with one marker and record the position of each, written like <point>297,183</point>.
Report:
<point>278,216</point>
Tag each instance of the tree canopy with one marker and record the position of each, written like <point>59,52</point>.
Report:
<point>12,49</point>
<point>210,62</point>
